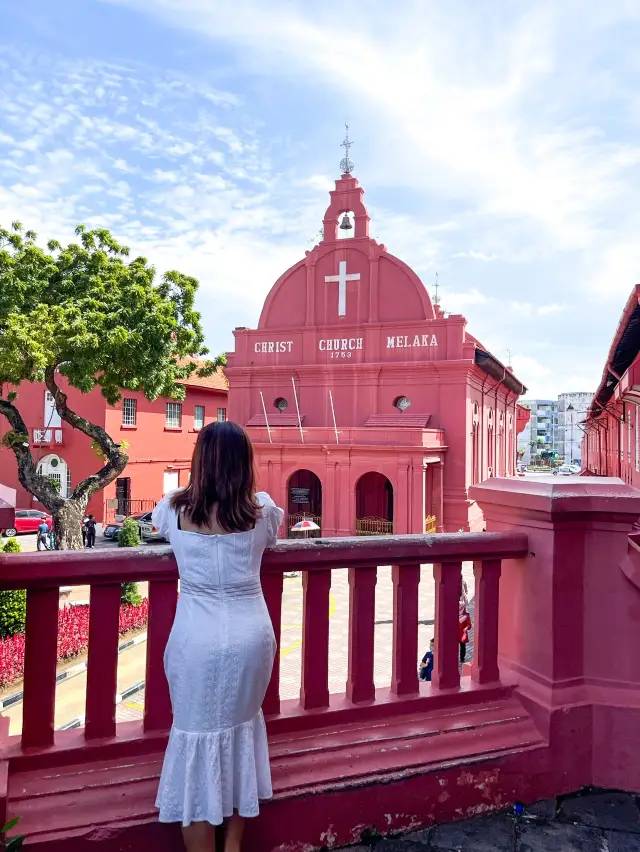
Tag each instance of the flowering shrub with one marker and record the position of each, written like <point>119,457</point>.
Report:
<point>73,637</point>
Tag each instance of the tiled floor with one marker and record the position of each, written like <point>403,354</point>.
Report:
<point>594,821</point>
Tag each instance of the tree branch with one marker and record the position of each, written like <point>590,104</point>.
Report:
<point>19,440</point>
<point>117,458</point>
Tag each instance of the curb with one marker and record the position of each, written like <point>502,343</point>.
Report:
<point>79,721</point>
<point>74,671</point>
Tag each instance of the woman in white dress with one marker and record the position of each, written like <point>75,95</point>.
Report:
<point>221,649</point>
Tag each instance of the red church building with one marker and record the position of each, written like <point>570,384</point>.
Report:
<point>372,411</point>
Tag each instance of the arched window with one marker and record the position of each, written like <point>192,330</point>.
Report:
<point>55,468</point>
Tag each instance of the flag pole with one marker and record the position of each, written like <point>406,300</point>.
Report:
<point>295,396</point>
<point>266,419</point>
<point>333,413</point>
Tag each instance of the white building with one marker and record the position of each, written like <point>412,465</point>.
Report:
<point>572,412</point>
<point>540,433</point>
<point>555,425</point>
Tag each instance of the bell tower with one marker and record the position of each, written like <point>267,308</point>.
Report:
<point>346,202</point>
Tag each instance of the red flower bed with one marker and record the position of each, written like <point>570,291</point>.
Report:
<point>73,637</point>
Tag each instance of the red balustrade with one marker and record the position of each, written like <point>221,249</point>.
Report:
<point>362,605</point>
<point>404,677</point>
<point>102,666</point>
<point>448,577</point>
<point>104,571</point>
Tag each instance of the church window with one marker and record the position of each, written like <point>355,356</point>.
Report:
<point>281,404</point>
<point>402,403</point>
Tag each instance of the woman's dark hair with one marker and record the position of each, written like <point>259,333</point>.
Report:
<point>222,475</point>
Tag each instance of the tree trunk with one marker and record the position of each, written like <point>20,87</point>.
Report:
<point>67,527</point>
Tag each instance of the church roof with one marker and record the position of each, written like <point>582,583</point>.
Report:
<point>216,381</point>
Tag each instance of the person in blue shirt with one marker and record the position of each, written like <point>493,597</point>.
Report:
<point>43,535</point>
<point>426,666</point>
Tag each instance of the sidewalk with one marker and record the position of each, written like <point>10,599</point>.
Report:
<point>595,821</point>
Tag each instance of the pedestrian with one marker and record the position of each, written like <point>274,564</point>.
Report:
<point>426,666</point>
<point>43,535</point>
<point>464,621</point>
<point>90,529</point>
<point>52,539</point>
<point>220,653</point>
<point>83,528</point>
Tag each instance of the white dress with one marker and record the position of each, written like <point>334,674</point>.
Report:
<point>218,664</point>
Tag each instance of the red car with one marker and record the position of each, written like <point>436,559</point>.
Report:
<point>28,521</point>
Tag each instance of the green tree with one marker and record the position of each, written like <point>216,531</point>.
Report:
<point>13,604</point>
<point>87,313</point>
<point>129,594</point>
<point>129,535</point>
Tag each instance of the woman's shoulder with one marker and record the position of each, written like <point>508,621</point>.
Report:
<point>264,499</point>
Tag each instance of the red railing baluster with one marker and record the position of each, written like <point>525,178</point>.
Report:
<point>314,692</point>
<point>362,618</point>
<point>102,666</point>
<point>41,652</point>
<point>404,675</point>
<point>485,664</point>
<point>272,588</point>
<point>163,597</point>
<point>448,577</point>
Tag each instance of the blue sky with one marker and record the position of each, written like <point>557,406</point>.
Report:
<point>498,144</point>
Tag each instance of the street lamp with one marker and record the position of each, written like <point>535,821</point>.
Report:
<point>571,409</point>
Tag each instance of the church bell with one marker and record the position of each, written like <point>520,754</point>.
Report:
<point>345,225</point>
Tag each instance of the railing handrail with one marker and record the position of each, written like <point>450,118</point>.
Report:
<point>74,568</point>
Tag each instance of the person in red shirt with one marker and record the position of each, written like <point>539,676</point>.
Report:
<point>464,622</point>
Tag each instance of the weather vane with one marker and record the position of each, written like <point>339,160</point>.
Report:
<point>346,165</point>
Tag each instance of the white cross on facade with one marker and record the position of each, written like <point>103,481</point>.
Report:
<point>342,279</point>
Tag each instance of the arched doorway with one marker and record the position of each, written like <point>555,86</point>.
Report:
<point>374,505</point>
<point>304,496</point>
<point>55,468</point>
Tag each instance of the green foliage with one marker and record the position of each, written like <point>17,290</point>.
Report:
<point>13,612</point>
<point>11,844</point>
<point>130,594</point>
<point>99,317</point>
<point>129,534</point>
<point>12,546</point>
<point>55,482</point>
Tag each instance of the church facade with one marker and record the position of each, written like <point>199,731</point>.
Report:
<point>371,411</point>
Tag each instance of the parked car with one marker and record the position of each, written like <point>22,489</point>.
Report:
<point>112,530</point>
<point>148,532</point>
<point>567,470</point>
<point>28,521</point>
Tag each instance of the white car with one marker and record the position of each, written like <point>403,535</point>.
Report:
<point>148,532</point>
<point>567,470</point>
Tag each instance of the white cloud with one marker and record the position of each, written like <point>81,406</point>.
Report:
<point>458,302</point>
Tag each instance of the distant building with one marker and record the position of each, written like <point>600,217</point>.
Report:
<point>540,433</point>
<point>572,414</point>
<point>556,426</point>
